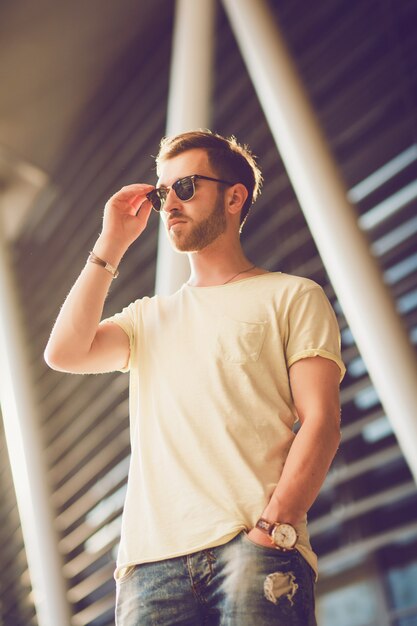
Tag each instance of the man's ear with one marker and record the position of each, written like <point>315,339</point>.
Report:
<point>236,198</point>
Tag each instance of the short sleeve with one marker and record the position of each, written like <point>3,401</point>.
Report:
<point>312,329</point>
<point>127,320</point>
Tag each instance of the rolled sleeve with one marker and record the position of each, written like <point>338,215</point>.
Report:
<point>127,320</point>
<point>313,329</point>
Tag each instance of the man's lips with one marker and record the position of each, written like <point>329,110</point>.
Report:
<point>176,220</point>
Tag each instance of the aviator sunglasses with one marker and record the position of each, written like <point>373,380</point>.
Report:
<point>183,187</point>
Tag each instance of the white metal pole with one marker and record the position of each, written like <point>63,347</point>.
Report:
<point>356,277</point>
<point>188,109</point>
<point>25,452</point>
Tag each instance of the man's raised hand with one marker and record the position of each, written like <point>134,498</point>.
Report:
<point>125,217</point>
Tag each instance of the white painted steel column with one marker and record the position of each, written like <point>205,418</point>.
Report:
<point>356,277</point>
<point>25,452</point>
<point>188,109</point>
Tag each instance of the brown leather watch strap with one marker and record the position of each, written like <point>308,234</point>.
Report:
<point>264,525</point>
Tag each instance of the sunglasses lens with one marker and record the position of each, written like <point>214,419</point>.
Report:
<point>155,199</point>
<point>184,188</point>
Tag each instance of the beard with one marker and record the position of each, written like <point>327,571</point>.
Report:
<point>202,234</point>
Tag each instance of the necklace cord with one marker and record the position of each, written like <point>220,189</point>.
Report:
<point>239,273</point>
<point>235,275</point>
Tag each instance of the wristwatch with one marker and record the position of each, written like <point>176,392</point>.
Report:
<point>282,535</point>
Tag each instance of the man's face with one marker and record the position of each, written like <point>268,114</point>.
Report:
<point>195,224</point>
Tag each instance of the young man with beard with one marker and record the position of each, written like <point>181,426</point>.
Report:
<point>214,524</point>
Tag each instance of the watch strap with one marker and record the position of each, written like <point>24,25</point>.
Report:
<point>265,526</point>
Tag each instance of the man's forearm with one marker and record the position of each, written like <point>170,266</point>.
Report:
<point>305,470</point>
<point>80,315</point>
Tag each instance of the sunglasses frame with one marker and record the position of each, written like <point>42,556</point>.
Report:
<point>165,190</point>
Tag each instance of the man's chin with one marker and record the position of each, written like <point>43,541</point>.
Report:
<point>178,245</point>
<point>182,248</point>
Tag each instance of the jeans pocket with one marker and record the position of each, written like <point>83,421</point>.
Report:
<point>268,550</point>
<point>258,545</point>
<point>122,574</point>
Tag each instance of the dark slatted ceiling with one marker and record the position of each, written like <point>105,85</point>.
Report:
<point>358,62</point>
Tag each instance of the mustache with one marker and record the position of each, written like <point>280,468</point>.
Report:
<point>175,214</point>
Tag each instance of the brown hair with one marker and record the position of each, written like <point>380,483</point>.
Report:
<point>226,156</point>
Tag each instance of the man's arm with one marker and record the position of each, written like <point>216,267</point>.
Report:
<point>78,344</point>
<point>315,390</point>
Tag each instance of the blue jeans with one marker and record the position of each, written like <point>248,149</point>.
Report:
<point>236,584</point>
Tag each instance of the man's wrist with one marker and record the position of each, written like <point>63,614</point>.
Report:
<point>283,535</point>
<point>277,511</point>
<point>93,258</point>
<point>273,512</point>
<point>108,250</point>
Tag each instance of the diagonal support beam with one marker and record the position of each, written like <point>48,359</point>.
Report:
<point>26,456</point>
<point>355,275</point>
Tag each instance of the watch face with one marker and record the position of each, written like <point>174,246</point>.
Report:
<point>284,536</point>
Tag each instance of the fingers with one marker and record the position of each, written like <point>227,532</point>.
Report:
<point>135,189</point>
<point>144,206</point>
<point>127,212</point>
<point>143,213</point>
<point>131,195</point>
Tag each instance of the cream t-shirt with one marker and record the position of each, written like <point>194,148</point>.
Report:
<point>211,411</point>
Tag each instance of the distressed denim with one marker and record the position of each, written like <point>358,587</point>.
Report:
<point>237,584</point>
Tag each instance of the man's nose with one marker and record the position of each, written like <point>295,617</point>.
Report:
<point>171,201</point>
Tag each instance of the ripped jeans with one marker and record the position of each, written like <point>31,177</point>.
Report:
<point>236,584</point>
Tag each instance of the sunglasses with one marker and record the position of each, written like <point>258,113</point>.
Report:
<point>183,187</point>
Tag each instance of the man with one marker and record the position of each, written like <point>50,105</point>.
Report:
<point>214,524</point>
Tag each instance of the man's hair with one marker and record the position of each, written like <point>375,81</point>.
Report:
<point>228,159</point>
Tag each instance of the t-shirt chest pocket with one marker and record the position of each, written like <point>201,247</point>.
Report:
<point>240,342</point>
